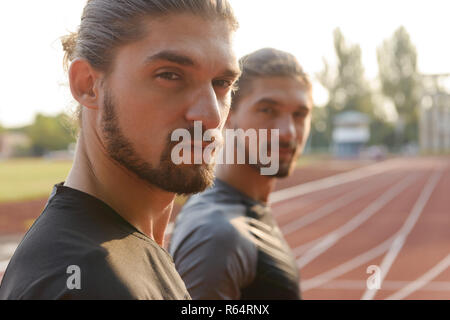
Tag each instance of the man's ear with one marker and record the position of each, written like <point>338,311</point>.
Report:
<point>84,83</point>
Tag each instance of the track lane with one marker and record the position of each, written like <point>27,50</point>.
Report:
<point>428,243</point>
<point>404,200</point>
<point>406,229</point>
<point>340,272</point>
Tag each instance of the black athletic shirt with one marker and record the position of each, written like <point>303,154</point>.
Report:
<point>228,246</point>
<point>115,260</point>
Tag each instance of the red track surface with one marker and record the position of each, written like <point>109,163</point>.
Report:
<point>337,232</point>
<point>371,219</point>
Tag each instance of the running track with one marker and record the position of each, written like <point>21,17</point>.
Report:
<point>393,214</point>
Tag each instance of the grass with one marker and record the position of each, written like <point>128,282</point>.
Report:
<point>28,179</point>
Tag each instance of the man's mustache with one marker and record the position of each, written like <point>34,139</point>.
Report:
<point>215,136</point>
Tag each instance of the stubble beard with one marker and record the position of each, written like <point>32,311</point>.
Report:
<point>285,168</point>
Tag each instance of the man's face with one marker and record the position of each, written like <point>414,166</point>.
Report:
<point>182,71</point>
<point>281,103</point>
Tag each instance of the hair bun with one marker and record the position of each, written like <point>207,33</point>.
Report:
<point>69,44</point>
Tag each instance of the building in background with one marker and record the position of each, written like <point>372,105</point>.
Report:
<point>434,123</point>
<point>351,134</point>
<point>11,143</point>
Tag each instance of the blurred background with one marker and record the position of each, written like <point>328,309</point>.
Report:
<point>380,72</point>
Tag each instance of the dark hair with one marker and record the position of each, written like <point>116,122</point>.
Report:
<point>108,24</point>
<point>267,62</point>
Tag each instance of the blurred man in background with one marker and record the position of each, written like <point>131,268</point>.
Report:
<point>140,69</point>
<point>226,244</point>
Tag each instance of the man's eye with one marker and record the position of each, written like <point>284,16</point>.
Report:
<point>299,114</point>
<point>267,110</point>
<point>225,84</point>
<point>169,76</point>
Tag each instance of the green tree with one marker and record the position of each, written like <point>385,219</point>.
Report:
<point>400,82</point>
<point>382,132</point>
<point>346,83</point>
<point>318,135</point>
<point>50,133</point>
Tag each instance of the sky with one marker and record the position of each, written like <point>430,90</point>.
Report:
<point>32,78</point>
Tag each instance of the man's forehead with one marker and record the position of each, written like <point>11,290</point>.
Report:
<point>202,40</point>
<point>282,90</point>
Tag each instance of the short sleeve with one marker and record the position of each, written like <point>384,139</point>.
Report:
<point>97,282</point>
<point>215,261</point>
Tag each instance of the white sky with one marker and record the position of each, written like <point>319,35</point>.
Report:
<point>31,74</point>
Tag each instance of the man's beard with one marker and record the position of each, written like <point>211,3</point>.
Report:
<point>182,179</point>
<point>285,167</point>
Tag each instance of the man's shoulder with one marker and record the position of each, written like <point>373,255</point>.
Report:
<point>212,205</point>
<point>74,221</point>
<point>56,243</point>
<point>203,215</point>
<point>62,272</point>
<point>54,234</point>
<point>214,224</point>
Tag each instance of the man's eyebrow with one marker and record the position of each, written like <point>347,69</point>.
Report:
<point>171,56</point>
<point>234,73</point>
<point>267,101</point>
<point>272,102</point>
<point>184,60</point>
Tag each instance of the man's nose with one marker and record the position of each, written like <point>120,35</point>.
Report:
<point>205,108</point>
<point>287,128</point>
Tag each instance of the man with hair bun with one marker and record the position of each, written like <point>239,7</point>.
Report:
<point>140,69</point>
<point>226,244</point>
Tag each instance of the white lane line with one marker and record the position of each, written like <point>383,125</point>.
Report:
<point>332,238</point>
<point>329,208</point>
<point>332,181</point>
<point>400,239</point>
<point>387,285</point>
<point>3,265</point>
<point>421,282</point>
<point>346,266</point>
<point>301,249</point>
<point>286,207</point>
<point>351,264</point>
<point>7,249</point>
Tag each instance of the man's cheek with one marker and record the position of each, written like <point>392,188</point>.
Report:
<point>155,150</point>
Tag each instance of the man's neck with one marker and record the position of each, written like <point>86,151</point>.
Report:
<point>247,180</point>
<point>144,206</point>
